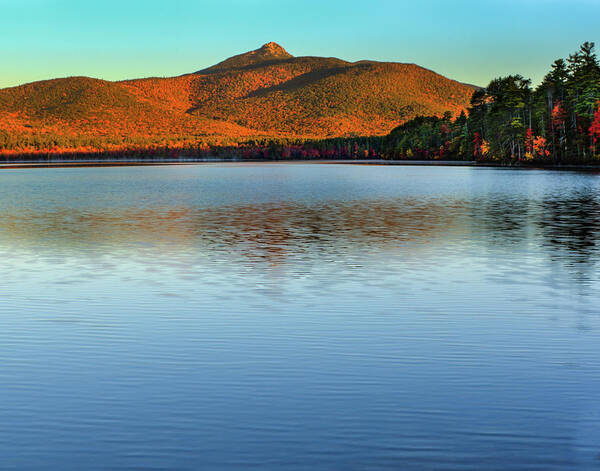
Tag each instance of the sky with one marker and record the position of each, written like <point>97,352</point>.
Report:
<point>467,40</point>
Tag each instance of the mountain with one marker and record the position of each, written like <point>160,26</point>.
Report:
<point>265,93</point>
<point>269,53</point>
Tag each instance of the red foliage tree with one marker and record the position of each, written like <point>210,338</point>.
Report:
<point>594,130</point>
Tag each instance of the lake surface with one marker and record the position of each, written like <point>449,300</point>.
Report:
<point>299,317</point>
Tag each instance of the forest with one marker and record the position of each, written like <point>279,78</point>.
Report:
<point>509,121</point>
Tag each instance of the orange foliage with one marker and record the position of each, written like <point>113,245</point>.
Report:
<point>266,93</point>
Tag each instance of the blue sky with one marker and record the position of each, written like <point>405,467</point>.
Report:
<point>471,41</point>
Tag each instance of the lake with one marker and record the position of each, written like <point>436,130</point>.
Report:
<point>299,317</point>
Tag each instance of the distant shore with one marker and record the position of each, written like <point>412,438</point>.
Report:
<point>134,162</point>
<point>73,163</point>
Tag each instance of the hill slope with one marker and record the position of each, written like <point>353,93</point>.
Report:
<point>262,93</point>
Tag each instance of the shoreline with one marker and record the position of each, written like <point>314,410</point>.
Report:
<point>75,163</point>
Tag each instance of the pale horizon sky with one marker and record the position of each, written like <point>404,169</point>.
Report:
<point>466,40</point>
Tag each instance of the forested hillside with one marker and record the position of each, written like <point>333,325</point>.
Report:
<point>261,96</point>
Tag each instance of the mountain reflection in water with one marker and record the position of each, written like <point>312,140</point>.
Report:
<point>273,232</point>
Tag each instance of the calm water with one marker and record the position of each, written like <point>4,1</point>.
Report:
<point>299,317</point>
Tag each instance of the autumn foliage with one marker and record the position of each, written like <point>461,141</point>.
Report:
<point>261,96</point>
<point>558,122</point>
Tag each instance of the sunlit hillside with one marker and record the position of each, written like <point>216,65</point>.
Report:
<point>265,93</point>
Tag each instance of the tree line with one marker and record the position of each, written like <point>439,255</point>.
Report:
<point>510,121</point>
